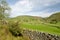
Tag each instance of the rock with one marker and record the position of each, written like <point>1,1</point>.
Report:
<point>34,35</point>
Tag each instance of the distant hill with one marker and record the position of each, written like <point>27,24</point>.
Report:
<point>25,18</point>
<point>55,16</point>
<point>35,19</point>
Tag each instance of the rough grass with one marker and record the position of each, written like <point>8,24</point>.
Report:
<point>6,35</point>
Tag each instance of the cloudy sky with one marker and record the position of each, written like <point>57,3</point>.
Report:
<point>43,8</point>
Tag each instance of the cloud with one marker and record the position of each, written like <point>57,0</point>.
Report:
<point>41,4</point>
<point>40,14</point>
<point>21,7</point>
<point>33,7</point>
<point>45,2</point>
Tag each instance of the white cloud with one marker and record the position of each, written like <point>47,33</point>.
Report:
<point>24,6</point>
<point>21,7</point>
<point>41,14</point>
<point>45,2</point>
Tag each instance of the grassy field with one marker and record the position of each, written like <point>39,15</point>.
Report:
<point>42,28</point>
<point>30,23</point>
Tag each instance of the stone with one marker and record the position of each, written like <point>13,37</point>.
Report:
<point>35,35</point>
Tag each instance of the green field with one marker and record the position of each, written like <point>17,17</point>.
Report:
<point>42,28</point>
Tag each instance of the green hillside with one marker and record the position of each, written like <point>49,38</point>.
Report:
<point>38,23</point>
<point>26,18</point>
<point>54,17</point>
<point>29,22</point>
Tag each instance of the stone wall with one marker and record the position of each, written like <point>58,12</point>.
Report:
<point>34,35</point>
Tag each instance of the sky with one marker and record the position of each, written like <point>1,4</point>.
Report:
<point>43,8</point>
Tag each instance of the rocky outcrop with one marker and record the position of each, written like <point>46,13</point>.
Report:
<point>34,35</point>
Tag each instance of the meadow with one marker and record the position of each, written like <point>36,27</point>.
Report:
<point>41,28</point>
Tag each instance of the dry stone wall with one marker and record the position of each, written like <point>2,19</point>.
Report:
<point>34,35</point>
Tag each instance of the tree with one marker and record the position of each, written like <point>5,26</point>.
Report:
<point>4,9</point>
<point>54,21</point>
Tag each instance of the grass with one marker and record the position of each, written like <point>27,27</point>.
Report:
<point>6,35</point>
<point>58,23</point>
<point>34,23</point>
<point>42,28</point>
<point>31,24</point>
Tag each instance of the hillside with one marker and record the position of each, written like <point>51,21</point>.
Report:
<point>28,19</point>
<point>54,17</point>
<point>32,25</point>
<point>37,23</point>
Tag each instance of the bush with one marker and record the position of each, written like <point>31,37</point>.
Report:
<point>15,29</point>
<point>53,21</point>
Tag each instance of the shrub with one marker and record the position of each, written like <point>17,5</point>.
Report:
<point>53,21</point>
<point>15,29</point>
